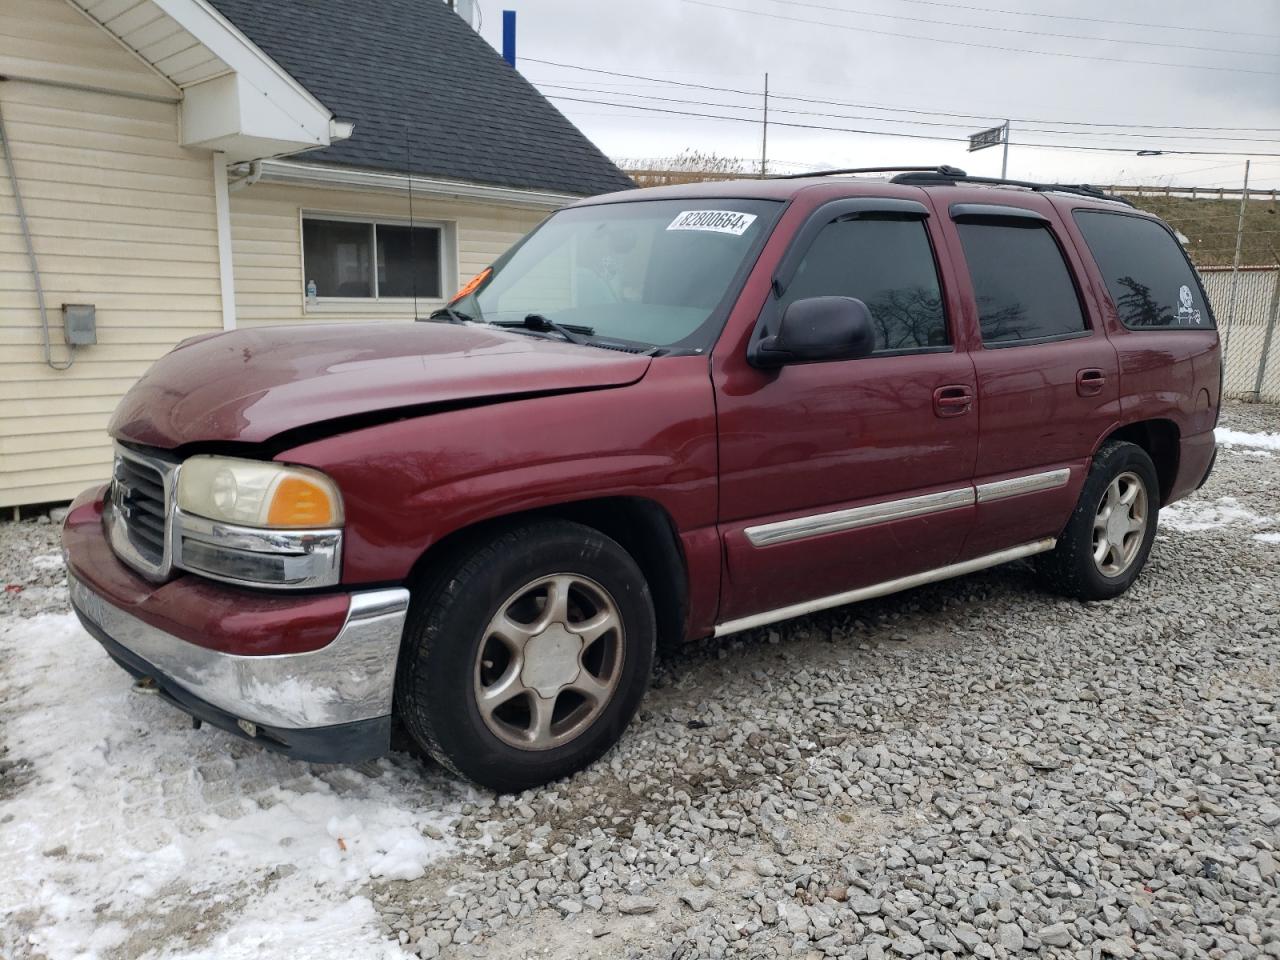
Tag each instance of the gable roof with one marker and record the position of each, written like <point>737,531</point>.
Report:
<point>427,94</point>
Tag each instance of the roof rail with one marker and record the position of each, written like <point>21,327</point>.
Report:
<point>949,175</point>
<point>943,171</point>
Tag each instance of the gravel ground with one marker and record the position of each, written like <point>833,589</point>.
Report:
<point>972,768</point>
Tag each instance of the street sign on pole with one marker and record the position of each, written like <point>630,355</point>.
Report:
<point>986,138</point>
<point>993,137</point>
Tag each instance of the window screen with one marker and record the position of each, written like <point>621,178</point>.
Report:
<point>1021,283</point>
<point>1150,280</point>
<point>408,261</point>
<point>349,258</point>
<point>889,266</point>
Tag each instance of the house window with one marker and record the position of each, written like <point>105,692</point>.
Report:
<point>352,259</point>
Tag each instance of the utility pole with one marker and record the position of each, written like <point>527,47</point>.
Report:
<point>1235,266</point>
<point>764,133</point>
<point>1004,164</point>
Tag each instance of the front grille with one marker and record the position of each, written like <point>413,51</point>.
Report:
<point>138,496</point>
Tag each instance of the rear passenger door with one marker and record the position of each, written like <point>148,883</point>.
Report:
<point>1047,374</point>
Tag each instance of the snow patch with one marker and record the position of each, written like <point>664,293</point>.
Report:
<point>136,829</point>
<point>1239,438</point>
<point>1193,515</point>
<point>1267,537</point>
<point>48,561</point>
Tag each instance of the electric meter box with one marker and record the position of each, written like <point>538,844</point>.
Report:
<point>80,323</point>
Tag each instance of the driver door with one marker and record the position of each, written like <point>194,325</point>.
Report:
<point>843,474</point>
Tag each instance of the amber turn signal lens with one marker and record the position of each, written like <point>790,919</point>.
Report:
<point>301,502</point>
<point>472,285</point>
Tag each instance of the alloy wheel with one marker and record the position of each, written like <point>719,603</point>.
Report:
<point>1120,524</point>
<point>549,661</point>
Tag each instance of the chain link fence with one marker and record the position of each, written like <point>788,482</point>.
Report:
<point>1251,341</point>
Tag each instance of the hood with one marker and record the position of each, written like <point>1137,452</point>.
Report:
<point>251,385</point>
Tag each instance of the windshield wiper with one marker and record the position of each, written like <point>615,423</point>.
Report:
<point>448,313</point>
<point>574,333</point>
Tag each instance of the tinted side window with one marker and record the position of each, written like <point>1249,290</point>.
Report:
<point>1021,282</point>
<point>1150,280</point>
<point>888,265</point>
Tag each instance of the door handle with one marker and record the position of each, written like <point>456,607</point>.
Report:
<point>1089,382</point>
<point>952,401</point>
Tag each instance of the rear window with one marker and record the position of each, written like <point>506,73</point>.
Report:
<point>1021,283</point>
<point>1148,275</point>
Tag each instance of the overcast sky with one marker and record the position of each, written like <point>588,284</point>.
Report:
<point>845,54</point>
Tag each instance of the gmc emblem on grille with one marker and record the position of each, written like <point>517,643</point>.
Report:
<point>120,495</point>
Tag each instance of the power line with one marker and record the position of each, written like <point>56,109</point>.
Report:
<point>889,133</point>
<point>924,123</point>
<point>1028,33</point>
<point>981,46</point>
<point>1116,23</point>
<point>871,106</point>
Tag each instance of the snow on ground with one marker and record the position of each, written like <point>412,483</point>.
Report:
<point>1267,537</point>
<point>1241,438</point>
<point>1193,515</point>
<point>123,831</point>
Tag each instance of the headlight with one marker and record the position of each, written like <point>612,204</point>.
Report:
<point>254,493</point>
<point>256,523</point>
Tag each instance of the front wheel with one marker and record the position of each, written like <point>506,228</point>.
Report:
<point>1106,542</point>
<point>527,656</point>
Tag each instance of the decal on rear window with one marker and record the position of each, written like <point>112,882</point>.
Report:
<point>1187,313</point>
<point>716,221</point>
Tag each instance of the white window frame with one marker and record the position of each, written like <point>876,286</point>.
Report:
<point>448,263</point>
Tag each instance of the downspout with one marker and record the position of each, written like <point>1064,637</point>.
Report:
<point>226,274</point>
<point>31,255</point>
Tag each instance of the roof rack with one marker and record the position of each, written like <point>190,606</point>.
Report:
<point>949,175</point>
<point>941,171</point>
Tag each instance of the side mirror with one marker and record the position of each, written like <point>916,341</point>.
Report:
<point>817,329</point>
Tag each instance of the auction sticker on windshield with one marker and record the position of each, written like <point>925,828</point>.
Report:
<point>716,221</point>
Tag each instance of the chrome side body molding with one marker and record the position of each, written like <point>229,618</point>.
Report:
<point>1031,483</point>
<point>784,531</point>
<point>882,589</point>
<point>798,528</point>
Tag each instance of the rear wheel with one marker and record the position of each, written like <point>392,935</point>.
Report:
<point>1108,538</point>
<point>527,656</point>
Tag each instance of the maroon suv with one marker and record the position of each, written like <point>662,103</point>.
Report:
<point>664,414</point>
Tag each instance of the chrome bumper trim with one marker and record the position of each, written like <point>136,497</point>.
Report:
<point>784,531</point>
<point>1031,483</point>
<point>308,558</point>
<point>350,679</point>
<point>881,589</point>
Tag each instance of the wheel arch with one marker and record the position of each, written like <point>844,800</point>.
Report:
<point>641,526</point>
<point>1161,439</point>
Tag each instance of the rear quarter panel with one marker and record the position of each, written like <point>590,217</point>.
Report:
<point>1165,374</point>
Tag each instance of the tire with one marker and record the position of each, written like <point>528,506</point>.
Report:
<point>1071,568</point>
<point>480,630</point>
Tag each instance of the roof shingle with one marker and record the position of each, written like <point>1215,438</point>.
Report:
<point>426,92</point>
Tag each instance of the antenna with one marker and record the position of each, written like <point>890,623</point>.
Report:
<point>413,253</point>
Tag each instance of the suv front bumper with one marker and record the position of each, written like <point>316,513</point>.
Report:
<point>327,704</point>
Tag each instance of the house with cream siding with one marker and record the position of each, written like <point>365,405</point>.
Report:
<point>177,167</point>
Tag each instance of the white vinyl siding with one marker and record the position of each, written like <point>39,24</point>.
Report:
<point>51,40</point>
<point>121,217</point>
<point>266,233</point>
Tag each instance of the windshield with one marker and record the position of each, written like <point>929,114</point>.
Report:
<point>649,272</point>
